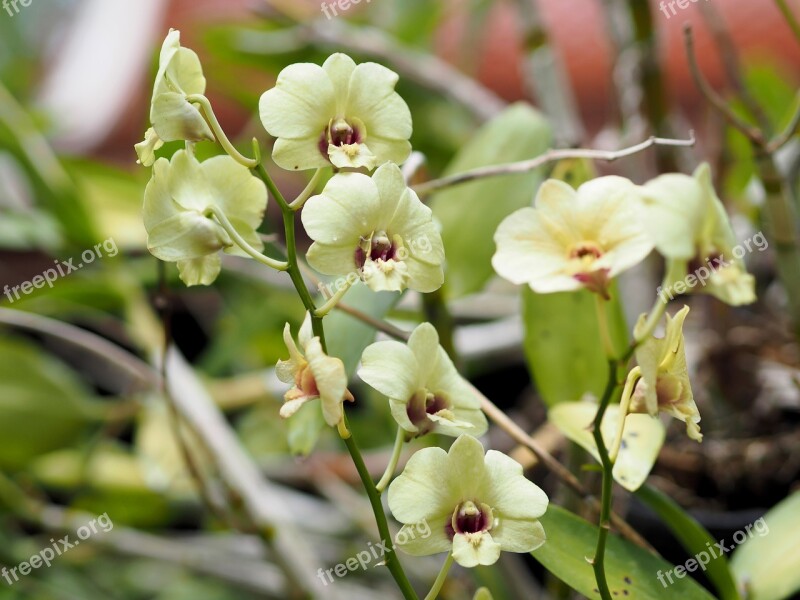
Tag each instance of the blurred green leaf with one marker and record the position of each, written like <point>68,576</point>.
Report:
<point>693,537</point>
<point>347,336</point>
<point>471,212</point>
<point>767,565</point>
<point>631,571</point>
<point>305,427</point>
<point>43,405</point>
<point>563,346</point>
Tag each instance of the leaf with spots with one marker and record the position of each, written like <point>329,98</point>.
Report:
<point>632,572</point>
<point>642,438</point>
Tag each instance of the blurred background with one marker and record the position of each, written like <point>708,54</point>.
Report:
<point>84,428</point>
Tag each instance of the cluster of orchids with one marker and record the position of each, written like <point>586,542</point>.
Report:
<point>367,225</point>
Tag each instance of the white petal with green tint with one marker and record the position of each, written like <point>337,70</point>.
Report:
<point>391,368</point>
<point>340,113</point>
<point>301,103</point>
<point>200,271</point>
<point>175,214</point>
<point>187,235</point>
<point>413,495</point>
<point>674,208</point>
<point>471,550</point>
<point>180,74</point>
<point>349,204</point>
<point>330,379</point>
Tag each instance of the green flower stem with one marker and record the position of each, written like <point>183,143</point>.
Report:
<point>239,241</point>
<point>332,301</point>
<point>598,562</point>
<point>392,466</point>
<point>298,202</point>
<point>213,122</point>
<point>790,19</point>
<point>673,273</point>
<point>392,561</point>
<point>441,578</point>
<point>607,458</point>
<point>602,322</point>
<point>625,403</point>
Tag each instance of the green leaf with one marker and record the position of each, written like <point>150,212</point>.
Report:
<point>347,336</point>
<point>43,405</point>
<point>693,537</point>
<point>631,571</point>
<point>767,564</point>
<point>561,329</point>
<point>642,438</point>
<point>471,212</point>
<point>305,427</point>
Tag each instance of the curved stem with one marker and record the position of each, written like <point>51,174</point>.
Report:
<point>441,578</point>
<point>790,18</point>
<point>298,202</point>
<point>392,466</point>
<point>525,166</point>
<point>624,405</point>
<point>602,322</point>
<point>392,561</point>
<point>213,122</point>
<point>239,241</point>
<point>332,301</point>
<point>640,334</point>
<point>598,562</point>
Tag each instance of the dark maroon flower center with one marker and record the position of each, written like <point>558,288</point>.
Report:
<point>713,260</point>
<point>468,518</point>
<point>339,133</point>
<point>423,404</point>
<point>380,248</point>
<point>585,249</point>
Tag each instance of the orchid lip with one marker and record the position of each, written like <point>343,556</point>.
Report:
<point>470,518</point>
<point>341,133</point>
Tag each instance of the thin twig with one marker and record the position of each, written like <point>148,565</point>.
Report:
<point>730,61</point>
<point>549,156</point>
<point>377,324</point>
<point>753,134</point>
<point>790,18</point>
<point>425,69</point>
<point>791,129</point>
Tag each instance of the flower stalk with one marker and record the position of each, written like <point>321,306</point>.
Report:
<point>399,440</point>
<point>222,138</point>
<point>293,268</point>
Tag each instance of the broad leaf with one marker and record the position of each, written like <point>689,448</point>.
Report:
<point>347,336</point>
<point>632,572</point>
<point>471,212</point>
<point>694,538</point>
<point>767,564</point>
<point>563,345</point>
<point>43,405</point>
<point>642,438</point>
